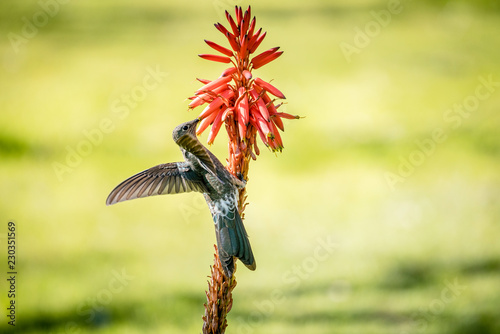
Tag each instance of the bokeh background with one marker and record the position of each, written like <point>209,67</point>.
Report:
<point>381,215</point>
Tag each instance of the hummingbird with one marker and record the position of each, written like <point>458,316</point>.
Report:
<point>202,172</point>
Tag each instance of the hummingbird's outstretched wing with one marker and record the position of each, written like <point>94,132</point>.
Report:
<point>232,239</point>
<point>171,178</point>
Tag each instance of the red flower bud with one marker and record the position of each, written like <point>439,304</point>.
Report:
<point>220,59</point>
<point>219,48</point>
<point>270,88</point>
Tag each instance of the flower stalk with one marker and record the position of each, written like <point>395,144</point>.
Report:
<point>246,106</point>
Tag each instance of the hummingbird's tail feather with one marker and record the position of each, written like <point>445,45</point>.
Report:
<point>232,241</point>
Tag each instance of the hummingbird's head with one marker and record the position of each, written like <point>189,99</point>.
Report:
<point>187,129</point>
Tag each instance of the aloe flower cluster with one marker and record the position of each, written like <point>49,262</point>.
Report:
<point>244,103</point>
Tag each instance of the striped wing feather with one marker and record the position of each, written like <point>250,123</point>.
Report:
<point>194,146</point>
<point>171,178</point>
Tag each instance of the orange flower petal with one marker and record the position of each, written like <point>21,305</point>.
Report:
<point>214,84</point>
<point>279,122</point>
<point>228,71</point>
<point>215,127</point>
<point>262,124</point>
<point>241,126</point>
<point>231,22</point>
<point>247,74</point>
<point>256,148</point>
<point>212,107</point>
<point>272,111</point>
<point>287,116</point>
<point>266,53</point>
<point>260,131</point>
<point>269,103</point>
<point>239,13</point>
<point>243,47</point>
<point>255,41</point>
<point>261,62</point>
<point>270,88</point>
<point>208,96</point>
<point>204,123</point>
<point>220,59</point>
<point>213,92</point>
<point>232,40</point>
<point>261,106</point>
<point>242,108</point>
<point>243,29</point>
<point>252,27</point>
<point>252,155</point>
<point>219,48</point>
<point>248,14</point>
<point>216,103</point>
<point>276,137</point>
<point>226,113</point>
<point>198,101</point>
<point>203,81</point>
<point>221,28</point>
<point>263,110</point>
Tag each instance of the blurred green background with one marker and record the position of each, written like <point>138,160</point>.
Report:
<point>380,216</point>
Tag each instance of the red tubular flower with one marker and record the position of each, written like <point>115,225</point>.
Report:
<point>237,98</point>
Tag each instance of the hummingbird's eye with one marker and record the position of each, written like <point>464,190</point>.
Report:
<point>185,127</point>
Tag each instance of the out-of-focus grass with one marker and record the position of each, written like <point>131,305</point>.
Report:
<point>395,252</point>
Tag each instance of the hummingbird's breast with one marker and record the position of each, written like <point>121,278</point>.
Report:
<point>222,204</point>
